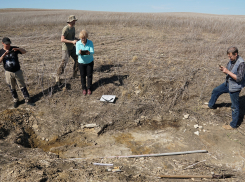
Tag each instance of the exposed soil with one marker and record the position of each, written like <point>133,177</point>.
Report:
<point>159,74</point>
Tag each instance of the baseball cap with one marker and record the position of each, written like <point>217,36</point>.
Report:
<point>6,40</point>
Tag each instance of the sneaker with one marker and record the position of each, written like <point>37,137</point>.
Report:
<point>16,104</point>
<point>228,127</point>
<point>89,92</point>
<point>205,106</point>
<point>84,91</point>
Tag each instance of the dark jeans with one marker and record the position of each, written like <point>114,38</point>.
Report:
<point>86,70</point>
<point>223,88</point>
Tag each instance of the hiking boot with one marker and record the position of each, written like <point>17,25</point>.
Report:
<point>16,104</point>
<point>84,91</point>
<point>57,79</point>
<point>89,92</point>
<point>228,127</point>
<point>28,102</point>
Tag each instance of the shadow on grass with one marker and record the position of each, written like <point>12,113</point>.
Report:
<point>49,91</point>
<point>107,67</point>
<point>112,79</point>
<point>223,105</point>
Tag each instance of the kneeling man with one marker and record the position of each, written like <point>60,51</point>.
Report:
<point>233,85</point>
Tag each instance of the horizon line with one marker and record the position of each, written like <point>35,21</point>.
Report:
<point>47,9</point>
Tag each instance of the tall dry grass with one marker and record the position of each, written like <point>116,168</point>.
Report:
<point>159,52</point>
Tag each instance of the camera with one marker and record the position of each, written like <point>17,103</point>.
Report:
<point>12,51</point>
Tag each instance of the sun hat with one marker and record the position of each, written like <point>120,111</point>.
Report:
<point>6,40</point>
<point>71,18</point>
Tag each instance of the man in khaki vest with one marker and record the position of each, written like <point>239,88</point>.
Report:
<point>68,47</point>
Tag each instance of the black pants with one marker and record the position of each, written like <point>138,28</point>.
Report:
<point>86,70</point>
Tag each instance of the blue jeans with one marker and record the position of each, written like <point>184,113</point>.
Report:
<point>224,88</point>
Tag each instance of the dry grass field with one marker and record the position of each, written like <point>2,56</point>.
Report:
<point>160,66</point>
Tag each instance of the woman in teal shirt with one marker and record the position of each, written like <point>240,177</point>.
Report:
<point>85,52</point>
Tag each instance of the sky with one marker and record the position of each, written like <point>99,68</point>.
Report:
<point>223,7</point>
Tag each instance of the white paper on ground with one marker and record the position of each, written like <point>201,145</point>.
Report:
<point>107,98</point>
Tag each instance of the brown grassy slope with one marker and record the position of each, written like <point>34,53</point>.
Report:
<point>152,62</point>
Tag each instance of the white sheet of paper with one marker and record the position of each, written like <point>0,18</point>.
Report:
<point>107,98</point>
